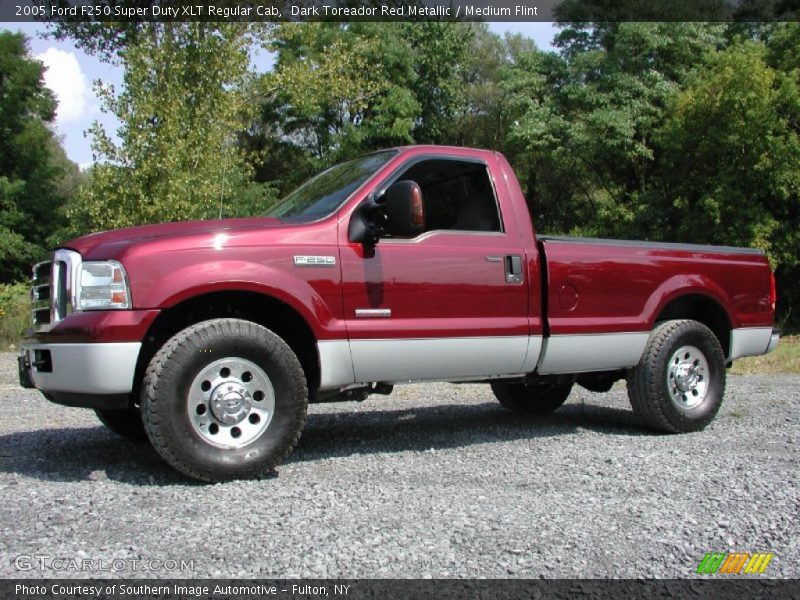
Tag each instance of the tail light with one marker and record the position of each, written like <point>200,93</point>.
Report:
<point>773,294</point>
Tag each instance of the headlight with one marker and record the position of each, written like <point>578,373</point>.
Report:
<point>103,285</point>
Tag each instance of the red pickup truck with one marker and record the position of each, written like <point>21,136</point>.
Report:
<point>411,264</point>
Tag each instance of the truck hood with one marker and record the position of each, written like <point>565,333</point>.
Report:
<point>112,244</point>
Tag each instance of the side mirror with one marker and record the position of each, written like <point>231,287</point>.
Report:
<point>368,222</point>
<point>400,211</point>
<point>404,209</point>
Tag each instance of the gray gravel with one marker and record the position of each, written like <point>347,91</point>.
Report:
<point>432,481</point>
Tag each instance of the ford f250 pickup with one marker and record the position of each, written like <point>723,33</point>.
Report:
<point>421,263</point>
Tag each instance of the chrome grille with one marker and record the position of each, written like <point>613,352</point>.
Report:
<point>52,288</point>
<point>41,293</point>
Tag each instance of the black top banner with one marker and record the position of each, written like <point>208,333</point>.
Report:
<point>397,10</point>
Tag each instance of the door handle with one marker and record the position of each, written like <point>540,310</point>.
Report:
<point>513,268</point>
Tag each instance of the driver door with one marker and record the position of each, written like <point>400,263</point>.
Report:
<point>450,303</point>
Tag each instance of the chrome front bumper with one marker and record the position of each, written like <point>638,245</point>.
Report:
<point>95,375</point>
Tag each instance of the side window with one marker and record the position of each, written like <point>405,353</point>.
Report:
<point>457,195</point>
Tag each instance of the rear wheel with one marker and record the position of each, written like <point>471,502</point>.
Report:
<point>535,397</point>
<point>224,399</point>
<point>126,422</point>
<point>679,382</point>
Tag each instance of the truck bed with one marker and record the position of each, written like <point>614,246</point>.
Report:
<point>602,297</point>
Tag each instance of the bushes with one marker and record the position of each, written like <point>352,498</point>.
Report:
<point>15,313</point>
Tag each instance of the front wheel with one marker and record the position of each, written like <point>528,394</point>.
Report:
<point>535,397</point>
<point>679,382</point>
<point>126,422</point>
<point>224,399</point>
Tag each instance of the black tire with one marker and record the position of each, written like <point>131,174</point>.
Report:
<point>172,394</point>
<point>126,423</point>
<point>536,397</point>
<point>691,401</point>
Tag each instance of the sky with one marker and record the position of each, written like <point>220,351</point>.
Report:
<point>71,75</point>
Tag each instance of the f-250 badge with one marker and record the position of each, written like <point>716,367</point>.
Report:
<point>314,261</point>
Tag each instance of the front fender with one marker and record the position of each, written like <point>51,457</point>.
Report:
<point>312,293</point>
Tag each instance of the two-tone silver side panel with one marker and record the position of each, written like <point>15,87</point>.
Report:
<point>440,359</point>
<point>465,359</point>
<point>591,352</point>
<point>773,341</point>
<point>752,341</point>
<point>610,351</point>
<point>535,345</point>
<point>335,364</point>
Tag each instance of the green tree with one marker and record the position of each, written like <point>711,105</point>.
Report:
<point>731,167</point>
<point>33,167</point>
<point>342,89</point>
<point>338,88</point>
<point>481,120</point>
<point>585,119</point>
<point>439,54</point>
<point>186,100</point>
<point>539,141</point>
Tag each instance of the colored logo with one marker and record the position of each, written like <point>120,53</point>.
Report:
<point>734,563</point>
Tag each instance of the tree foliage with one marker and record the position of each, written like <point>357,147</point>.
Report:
<point>585,118</point>
<point>337,88</point>
<point>340,89</point>
<point>732,157</point>
<point>33,168</point>
<point>186,99</point>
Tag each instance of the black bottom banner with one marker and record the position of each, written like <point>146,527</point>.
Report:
<point>395,589</point>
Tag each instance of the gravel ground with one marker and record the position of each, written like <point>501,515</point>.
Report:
<point>432,481</point>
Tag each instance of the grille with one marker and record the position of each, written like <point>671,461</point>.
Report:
<point>52,289</point>
<point>41,293</point>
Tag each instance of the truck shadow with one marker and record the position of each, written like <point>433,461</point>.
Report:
<point>94,454</point>
<point>83,454</point>
<point>449,426</point>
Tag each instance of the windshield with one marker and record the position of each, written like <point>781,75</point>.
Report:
<point>322,195</point>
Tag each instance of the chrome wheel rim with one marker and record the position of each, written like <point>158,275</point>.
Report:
<point>231,402</point>
<point>687,377</point>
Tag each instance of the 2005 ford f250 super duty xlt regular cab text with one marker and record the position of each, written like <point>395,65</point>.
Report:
<point>411,264</point>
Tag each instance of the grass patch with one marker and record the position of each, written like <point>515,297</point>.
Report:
<point>15,313</point>
<point>737,413</point>
<point>784,359</point>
